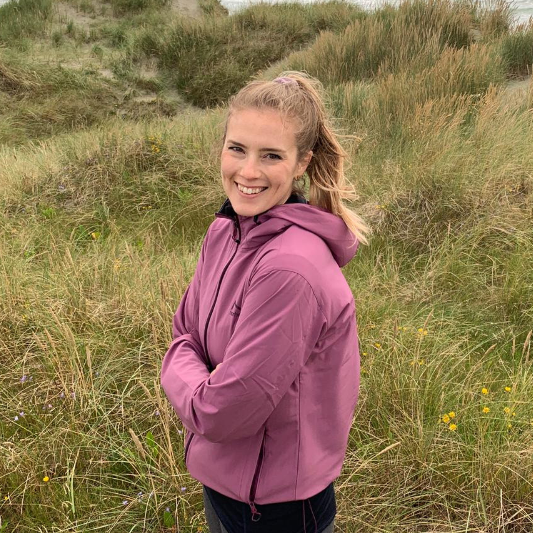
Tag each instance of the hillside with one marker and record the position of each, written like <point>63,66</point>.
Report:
<point>110,114</point>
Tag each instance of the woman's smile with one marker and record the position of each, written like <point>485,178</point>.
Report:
<point>250,192</point>
<point>259,160</point>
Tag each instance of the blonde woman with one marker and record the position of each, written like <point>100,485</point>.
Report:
<point>263,370</point>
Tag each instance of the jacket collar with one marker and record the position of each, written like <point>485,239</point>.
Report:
<point>254,231</point>
<point>228,211</point>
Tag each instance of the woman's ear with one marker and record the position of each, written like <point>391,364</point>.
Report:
<point>304,162</point>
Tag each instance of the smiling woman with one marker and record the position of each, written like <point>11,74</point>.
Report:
<point>256,177</point>
<point>270,311</point>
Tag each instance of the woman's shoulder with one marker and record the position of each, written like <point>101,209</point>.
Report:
<point>299,251</point>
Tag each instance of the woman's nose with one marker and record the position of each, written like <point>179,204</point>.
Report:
<point>250,168</point>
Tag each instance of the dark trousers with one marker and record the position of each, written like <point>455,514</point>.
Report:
<point>215,526</point>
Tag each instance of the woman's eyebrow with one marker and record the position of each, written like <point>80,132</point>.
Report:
<point>262,149</point>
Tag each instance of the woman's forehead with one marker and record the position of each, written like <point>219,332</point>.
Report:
<point>260,124</point>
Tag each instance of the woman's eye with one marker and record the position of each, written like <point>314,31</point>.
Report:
<point>238,149</point>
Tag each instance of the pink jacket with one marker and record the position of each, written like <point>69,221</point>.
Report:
<point>270,304</point>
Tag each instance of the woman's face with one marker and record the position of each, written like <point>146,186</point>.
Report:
<point>259,153</point>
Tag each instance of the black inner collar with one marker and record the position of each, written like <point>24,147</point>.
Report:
<point>227,208</point>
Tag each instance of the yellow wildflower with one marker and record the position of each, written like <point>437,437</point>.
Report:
<point>509,426</point>
<point>377,345</point>
<point>486,409</point>
<point>506,410</point>
<point>46,479</point>
<point>484,391</point>
<point>451,414</point>
<point>508,389</point>
<point>421,361</point>
<point>446,419</point>
<point>452,427</point>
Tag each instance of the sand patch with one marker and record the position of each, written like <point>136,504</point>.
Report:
<point>106,73</point>
<point>187,7</point>
<point>519,85</point>
<point>83,20</point>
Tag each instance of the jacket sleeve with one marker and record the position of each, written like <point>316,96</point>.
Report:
<point>279,325</point>
<point>186,356</point>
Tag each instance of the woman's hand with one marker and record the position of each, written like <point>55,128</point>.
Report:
<point>215,369</point>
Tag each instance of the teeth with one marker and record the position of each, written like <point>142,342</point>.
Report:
<point>247,190</point>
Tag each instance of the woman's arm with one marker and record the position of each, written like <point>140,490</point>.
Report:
<point>279,325</point>
<point>185,354</point>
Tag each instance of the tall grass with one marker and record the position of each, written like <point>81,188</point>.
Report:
<point>39,101</point>
<point>23,18</point>
<point>517,50</point>
<point>121,7</point>
<point>100,231</point>
<point>228,51</point>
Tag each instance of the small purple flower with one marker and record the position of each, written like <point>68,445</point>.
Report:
<point>125,502</point>
<point>180,431</point>
<point>183,489</point>
<point>16,418</point>
<point>156,412</point>
<point>167,509</point>
<point>62,395</point>
<point>49,406</point>
<point>21,413</point>
<point>24,378</point>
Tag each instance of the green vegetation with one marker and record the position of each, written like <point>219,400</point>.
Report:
<point>108,181</point>
<point>23,18</point>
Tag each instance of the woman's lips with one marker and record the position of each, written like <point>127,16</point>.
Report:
<point>244,195</point>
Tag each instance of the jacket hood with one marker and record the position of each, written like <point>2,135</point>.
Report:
<point>252,231</point>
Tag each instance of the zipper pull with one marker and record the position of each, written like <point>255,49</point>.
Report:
<point>255,512</point>
<point>236,229</point>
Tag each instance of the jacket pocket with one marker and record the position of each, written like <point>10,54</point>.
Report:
<point>187,446</point>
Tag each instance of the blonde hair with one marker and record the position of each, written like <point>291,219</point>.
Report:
<point>300,98</point>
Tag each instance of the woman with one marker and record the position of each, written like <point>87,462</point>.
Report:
<point>264,366</point>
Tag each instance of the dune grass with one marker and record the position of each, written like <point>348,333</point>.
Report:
<point>102,219</point>
<point>23,18</point>
<point>39,101</point>
<point>228,51</point>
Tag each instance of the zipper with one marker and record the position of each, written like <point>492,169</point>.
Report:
<point>255,480</point>
<point>187,445</point>
<point>238,227</point>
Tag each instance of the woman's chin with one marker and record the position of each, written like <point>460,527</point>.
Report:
<point>246,210</point>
